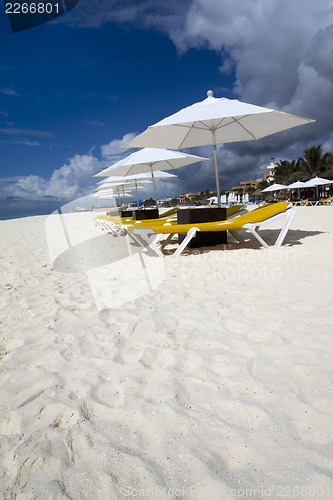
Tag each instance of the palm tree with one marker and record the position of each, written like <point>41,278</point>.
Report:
<point>284,171</point>
<point>314,162</point>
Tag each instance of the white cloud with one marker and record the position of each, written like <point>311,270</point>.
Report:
<point>113,150</point>
<point>328,144</point>
<point>68,182</point>
<point>73,180</point>
<point>282,54</point>
<point>24,142</point>
<point>280,51</point>
<point>96,123</point>
<point>266,42</point>
<point>166,16</point>
<point>25,131</point>
<point>9,91</point>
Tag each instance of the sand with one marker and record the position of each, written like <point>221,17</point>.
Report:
<point>204,376</point>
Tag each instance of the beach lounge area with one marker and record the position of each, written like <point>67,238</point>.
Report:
<point>205,376</point>
<point>166,235</point>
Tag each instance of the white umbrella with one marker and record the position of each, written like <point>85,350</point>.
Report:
<point>212,200</point>
<point>317,181</point>
<point>158,174</point>
<point>150,159</point>
<point>296,185</point>
<point>110,194</point>
<point>113,194</point>
<point>125,184</point>
<point>274,187</point>
<point>231,197</point>
<point>214,121</point>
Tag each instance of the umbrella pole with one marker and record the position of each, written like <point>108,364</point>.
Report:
<point>152,176</point>
<point>137,195</point>
<point>216,172</point>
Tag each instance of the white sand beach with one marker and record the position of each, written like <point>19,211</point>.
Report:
<point>204,376</point>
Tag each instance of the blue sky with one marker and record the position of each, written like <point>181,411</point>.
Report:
<point>74,90</point>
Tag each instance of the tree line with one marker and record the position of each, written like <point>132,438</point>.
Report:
<point>313,163</point>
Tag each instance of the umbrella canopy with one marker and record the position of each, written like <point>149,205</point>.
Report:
<point>126,187</point>
<point>158,174</point>
<point>111,193</point>
<point>122,185</point>
<point>317,181</point>
<point>274,187</point>
<point>296,185</point>
<point>149,160</point>
<point>214,121</point>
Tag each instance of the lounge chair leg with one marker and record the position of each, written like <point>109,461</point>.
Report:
<point>99,223</point>
<point>253,229</point>
<point>166,241</point>
<point>237,237</point>
<point>135,239</point>
<point>191,233</point>
<point>289,214</point>
<point>149,238</point>
<point>113,228</point>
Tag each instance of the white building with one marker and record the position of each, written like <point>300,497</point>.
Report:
<point>271,169</point>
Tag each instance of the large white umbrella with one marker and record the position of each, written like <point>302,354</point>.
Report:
<point>274,187</point>
<point>296,185</point>
<point>116,193</point>
<point>214,121</point>
<point>125,184</point>
<point>150,159</point>
<point>122,184</point>
<point>113,193</point>
<point>158,174</point>
<point>317,181</point>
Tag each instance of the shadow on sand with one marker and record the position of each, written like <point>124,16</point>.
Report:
<point>293,238</point>
<point>95,252</point>
<point>106,249</point>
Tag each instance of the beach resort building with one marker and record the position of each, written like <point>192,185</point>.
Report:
<point>268,176</point>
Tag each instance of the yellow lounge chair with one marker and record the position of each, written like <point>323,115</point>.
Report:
<point>116,224</point>
<point>173,219</point>
<point>325,201</point>
<point>301,203</point>
<point>251,221</point>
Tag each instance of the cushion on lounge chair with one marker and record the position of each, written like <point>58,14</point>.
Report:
<point>251,221</point>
